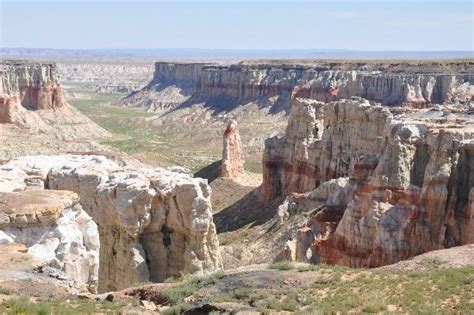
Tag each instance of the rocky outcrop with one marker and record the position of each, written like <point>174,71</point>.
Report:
<point>410,182</point>
<point>322,142</point>
<point>56,231</point>
<point>34,85</point>
<point>232,160</point>
<point>404,83</point>
<point>153,223</point>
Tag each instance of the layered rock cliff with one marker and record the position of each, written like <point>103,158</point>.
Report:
<point>405,179</point>
<point>34,116</point>
<point>34,86</point>
<point>56,231</point>
<point>404,83</point>
<point>153,223</point>
<point>112,76</point>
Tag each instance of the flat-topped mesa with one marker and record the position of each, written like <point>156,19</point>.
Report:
<point>183,74</point>
<point>417,85</point>
<point>153,223</point>
<point>232,158</point>
<point>56,230</point>
<point>408,179</point>
<point>34,86</point>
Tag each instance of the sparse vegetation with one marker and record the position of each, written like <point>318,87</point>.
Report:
<point>25,305</point>
<point>281,265</point>
<point>144,135</point>
<point>308,267</point>
<point>339,289</point>
<point>6,291</point>
<point>177,309</point>
<point>187,285</point>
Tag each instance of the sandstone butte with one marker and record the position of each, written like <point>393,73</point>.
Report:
<point>232,158</point>
<point>385,184</point>
<point>28,86</point>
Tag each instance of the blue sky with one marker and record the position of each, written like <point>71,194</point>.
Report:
<point>422,25</point>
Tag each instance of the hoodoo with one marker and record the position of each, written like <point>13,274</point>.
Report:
<point>232,158</point>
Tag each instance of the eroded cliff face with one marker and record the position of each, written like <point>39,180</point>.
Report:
<point>410,179</point>
<point>415,85</point>
<point>56,231</point>
<point>153,223</point>
<point>34,86</point>
<point>321,142</point>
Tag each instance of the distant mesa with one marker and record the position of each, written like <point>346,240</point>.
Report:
<point>224,87</point>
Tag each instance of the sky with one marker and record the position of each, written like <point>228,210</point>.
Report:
<point>411,25</point>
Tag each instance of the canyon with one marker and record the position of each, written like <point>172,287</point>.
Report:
<point>363,164</point>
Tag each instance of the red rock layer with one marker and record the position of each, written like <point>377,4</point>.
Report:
<point>390,84</point>
<point>411,193</point>
<point>34,86</point>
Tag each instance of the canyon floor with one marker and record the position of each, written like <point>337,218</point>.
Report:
<point>163,139</point>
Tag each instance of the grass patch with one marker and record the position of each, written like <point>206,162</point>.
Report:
<point>308,267</point>
<point>187,285</point>
<point>177,309</point>
<point>6,291</point>
<point>242,293</point>
<point>282,265</point>
<point>23,305</point>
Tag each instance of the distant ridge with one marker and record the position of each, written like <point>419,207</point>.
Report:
<point>170,53</point>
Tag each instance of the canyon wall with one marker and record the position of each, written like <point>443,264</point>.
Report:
<point>403,83</point>
<point>34,86</point>
<point>405,179</point>
<point>153,223</point>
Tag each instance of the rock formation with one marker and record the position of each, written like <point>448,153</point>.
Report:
<point>34,116</point>
<point>232,160</point>
<point>111,76</point>
<point>414,84</point>
<point>34,86</point>
<point>56,231</point>
<point>410,179</point>
<point>153,223</point>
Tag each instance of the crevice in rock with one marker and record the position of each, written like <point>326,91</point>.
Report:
<point>420,161</point>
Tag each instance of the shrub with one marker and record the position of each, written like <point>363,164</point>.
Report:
<point>282,265</point>
<point>6,291</point>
